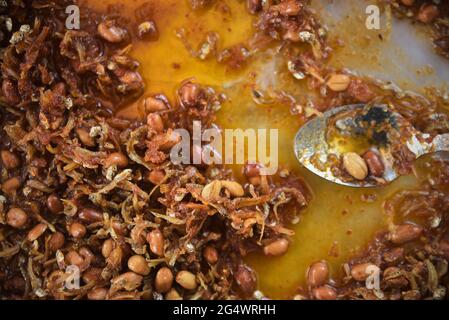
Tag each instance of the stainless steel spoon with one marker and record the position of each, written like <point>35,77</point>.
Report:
<point>310,140</point>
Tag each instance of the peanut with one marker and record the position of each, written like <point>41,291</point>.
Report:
<point>77,230</point>
<point>361,272</point>
<point>156,241</point>
<point>427,13</point>
<point>324,293</point>
<point>405,233</point>
<point>374,162</point>
<point>36,232</point>
<point>187,280</point>
<point>245,279</point>
<point>173,295</point>
<point>210,254</point>
<point>155,123</point>
<point>139,265</point>
<point>154,105</point>
<point>85,138</point>
<point>276,248</point>
<point>338,82</point>
<point>97,294</point>
<point>16,218</point>
<point>56,241</point>
<point>90,215</point>
<point>355,165</point>
<point>54,204</point>
<point>164,280</point>
<point>116,158</point>
<point>11,185</point>
<point>317,274</point>
<point>9,159</point>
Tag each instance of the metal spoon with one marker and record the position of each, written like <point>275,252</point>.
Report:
<point>311,140</point>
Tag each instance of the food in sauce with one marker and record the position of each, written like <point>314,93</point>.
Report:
<point>81,186</point>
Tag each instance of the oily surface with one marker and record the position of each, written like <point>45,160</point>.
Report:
<point>337,223</point>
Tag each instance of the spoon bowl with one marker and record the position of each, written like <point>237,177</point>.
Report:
<point>310,143</point>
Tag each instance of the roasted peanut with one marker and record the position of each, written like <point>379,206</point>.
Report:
<point>164,280</point>
<point>54,204</point>
<point>338,82</point>
<point>355,165</point>
<point>324,293</point>
<point>74,258</point>
<point>210,254</point>
<point>245,279</point>
<point>90,215</point>
<point>11,185</point>
<point>318,274</point>
<point>56,241</point>
<point>92,275</point>
<point>10,160</point>
<point>405,233</point>
<point>152,104</point>
<point>173,295</point>
<point>97,294</point>
<point>276,248</point>
<point>155,123</point>
<point>155,239</point>
<point>86,253</point>
<point>77,230</point>
<point>36,232</point>
<point>251,170</point>
<point>108,246</point>
<point>374,162</point>
<point>187,280</point>
<point>16,218</point>
<point>119,228</point>
<point>156,177</point>
<point>116,158</point>
<point>85,138</point>
<point>427,13</point>
<point>362,271</point>
<point>139,265</point>
<point>115,257</point>
<point>189,94</point>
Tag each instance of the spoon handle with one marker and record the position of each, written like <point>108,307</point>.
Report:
<point>441,143</point>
